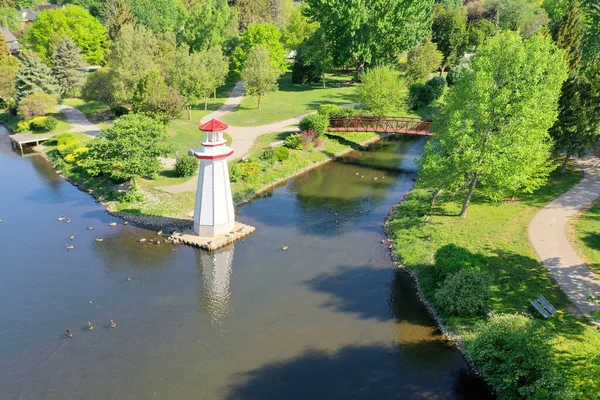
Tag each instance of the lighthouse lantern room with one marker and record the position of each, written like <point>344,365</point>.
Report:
<point>214,212</point>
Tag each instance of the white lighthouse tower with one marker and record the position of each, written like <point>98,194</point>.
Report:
<point>214,213</point>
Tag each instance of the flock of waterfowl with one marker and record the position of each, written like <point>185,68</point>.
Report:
<point>90,327</point>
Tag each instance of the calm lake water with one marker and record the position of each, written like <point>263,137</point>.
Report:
<point>328,319</point>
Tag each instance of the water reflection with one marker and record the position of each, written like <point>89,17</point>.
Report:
<point>216,268</point>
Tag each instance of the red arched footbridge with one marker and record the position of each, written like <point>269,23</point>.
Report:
<point>399,125</point>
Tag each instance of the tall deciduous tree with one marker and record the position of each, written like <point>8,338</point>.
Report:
<point>155,99</point>
<point>34,76</point>
<point>423,60</point>
<point>116,14</point>
<point>8,72</point>
<point>382,91</point>
<point>71,21</point>
<point>375,31</point>
<point>494,131</point>
<point>259,74</point>
<point>130,148</point>
<point>68,66</point>
<point>524,16</point>
<point>299,29</point>
<point>197,75</point>
<point>209,24</point>
<point>264,34</point>
<point>157,15</point>
<point>450,34</point>
<point>10,19</point>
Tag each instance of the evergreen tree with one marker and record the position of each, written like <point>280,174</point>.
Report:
<point>576,130</point>
<point>68,68</point>
<point>34,76</point>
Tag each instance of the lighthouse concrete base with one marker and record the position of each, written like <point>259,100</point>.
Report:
<point>239,231</point>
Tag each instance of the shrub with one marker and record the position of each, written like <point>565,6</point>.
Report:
<point>294,141</point>
<point>307,138</point>
<point>42,123</point>
<point>23,125</point>
<point>463,294</point>
<point>383,91</point>
<point>76,155</point>
<point>302,71</point>
<point>456,73</point>
<point>119,111</point>
<point>281,153</point>
<point>36,105</point>
<point>268,157</point>
<point>330,110</point>
<point>421,95</point>
<point>450,259</point>
<point>186,166</point>
<point>248,169</point>
<point>438,84</point>
<point>235,173</point>
<point>315,122</point>
<point>516,357</point>
<point>66,143</point>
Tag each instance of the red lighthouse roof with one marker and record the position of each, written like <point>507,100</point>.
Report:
<point>213,126</point>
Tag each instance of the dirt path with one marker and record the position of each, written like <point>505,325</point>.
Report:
<point>548,238</point>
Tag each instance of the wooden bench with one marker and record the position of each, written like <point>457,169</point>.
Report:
<point>543,306</point>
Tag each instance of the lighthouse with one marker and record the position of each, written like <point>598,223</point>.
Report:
<point>214,212</point>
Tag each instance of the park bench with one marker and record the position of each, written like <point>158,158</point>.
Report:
<point>543,306</point>
<point>278,143</point>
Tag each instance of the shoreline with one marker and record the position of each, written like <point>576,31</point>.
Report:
<point>447,334</point>
<point>159,221</point>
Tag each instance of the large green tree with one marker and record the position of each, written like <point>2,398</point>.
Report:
<point>10,19</point>
<point>299,29</point>
<point>524,16</point>
<point>198,75</point>
<point>422,61</point>
<point>9,66</point>
<point>158,15</point>
<point>68,66</point>
<point>116,14</point>
<point>450,34</point>
<point>376,31</point>
<point>155,99</point>
<point>209,24</point>
<point>34,76</point>
<point>264,34</point>
<point>130,148</point>
<point>71,21</point>
<point>259,74</point>
<point>129,59</point>
<point>494,132</point>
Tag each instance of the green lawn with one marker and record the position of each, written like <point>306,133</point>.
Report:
<point>497,232</point>
<point>584,232</point>
<point>11,122</point>
<point>291,101</point>
<point>89,108</point>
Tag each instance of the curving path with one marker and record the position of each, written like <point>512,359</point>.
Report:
<point>548,238</point>
<point>79,121</point>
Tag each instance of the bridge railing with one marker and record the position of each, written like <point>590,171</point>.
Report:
<point>405,125</point>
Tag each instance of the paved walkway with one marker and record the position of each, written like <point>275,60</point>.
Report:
<point>79,121</point>
<point>548,238</point>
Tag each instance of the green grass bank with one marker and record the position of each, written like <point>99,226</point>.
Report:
<point>584,234</point>
<point>496,233</point>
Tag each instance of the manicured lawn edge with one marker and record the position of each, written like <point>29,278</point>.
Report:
<point>499,233</point>
<point>585,223</point>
